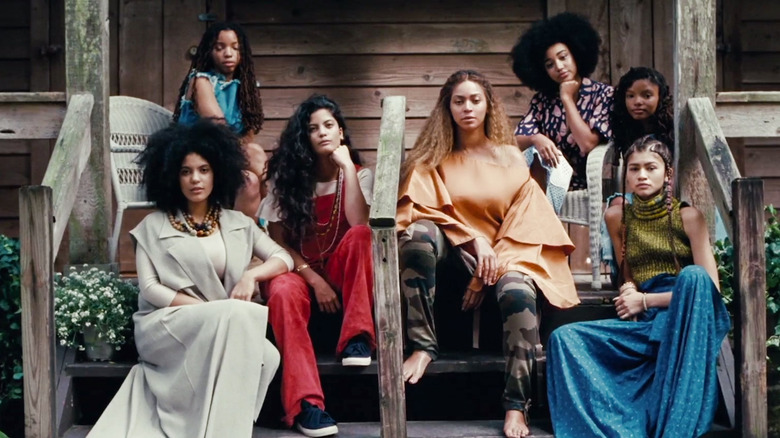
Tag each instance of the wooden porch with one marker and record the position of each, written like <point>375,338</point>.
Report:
<point>80,128</point>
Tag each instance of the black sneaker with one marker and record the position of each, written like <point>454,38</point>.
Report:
<point>314,422</point>
<point>356,353</point>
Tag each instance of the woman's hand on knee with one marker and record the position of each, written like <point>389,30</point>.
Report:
<point>629,304</point>
<point>326,297</point>
<point>487,261</point>
<point>548,150</point>
<point>472,299</point>
<point>244,289</point>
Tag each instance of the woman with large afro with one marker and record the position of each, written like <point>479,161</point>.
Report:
<point>569,114</point>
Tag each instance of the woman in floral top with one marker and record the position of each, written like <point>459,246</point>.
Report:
<point>569,114</point>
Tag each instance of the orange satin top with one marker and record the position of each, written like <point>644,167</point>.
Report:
<point>470,197</point>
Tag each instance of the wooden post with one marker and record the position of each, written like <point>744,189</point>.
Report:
<point>87,70</point>
<point>387,291</point>
<point>694,76</point>
<point>750,327</point>
<point>37,263</point>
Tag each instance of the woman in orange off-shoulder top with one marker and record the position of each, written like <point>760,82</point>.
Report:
<point>467,196</point>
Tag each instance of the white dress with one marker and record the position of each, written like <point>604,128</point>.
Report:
<point>203,369</point>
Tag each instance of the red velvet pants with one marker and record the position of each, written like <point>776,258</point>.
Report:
<point>289,298</point>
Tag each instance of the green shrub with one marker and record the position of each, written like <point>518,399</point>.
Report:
<point>724,255</point>
<point>10,322</point>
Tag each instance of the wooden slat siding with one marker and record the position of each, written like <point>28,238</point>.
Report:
<point>9,202</point>
<point>15,43</point>
<point>761,69</point>
<point>694,61</point>
<point>15,13</point>
<point>37,261</point>
<point>663,39</point>
<point>69,160</point>
<point>15,170</point>
<point>113,29</point>
<point>27,121</point>
<point>760,36</point>
<point>713,151</point>
<point>16,75</point>
<point>762,162</point>
<point>37,38</point>
<point>141,49</point>
<point>750,327</point>
<point>760,10</point>
<point>749,114</point>
<point>87,69</point>
<point>349,39</point>
<point>387,291</point>
<point>731,39</point>
<point>181,30</point>
<point>378,70</point>
<point>361,11</point>
<point>57,38</point>
<point>630,35</point>
<point>363,102</point>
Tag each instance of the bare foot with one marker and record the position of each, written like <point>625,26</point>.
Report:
<point>414,366</point>
<point>515,425</point>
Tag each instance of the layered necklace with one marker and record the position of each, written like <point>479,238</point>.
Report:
<point>324,228</point>
<point>206,228</point>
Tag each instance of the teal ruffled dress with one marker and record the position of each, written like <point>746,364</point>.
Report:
<point>226,93</point>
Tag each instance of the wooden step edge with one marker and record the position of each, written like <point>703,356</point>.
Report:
<point>467,362</point>
<point>418,429</point>
<point>415,429</point>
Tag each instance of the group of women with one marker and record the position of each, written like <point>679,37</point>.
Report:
<point>467,201</point>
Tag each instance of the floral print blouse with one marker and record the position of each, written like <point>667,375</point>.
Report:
<point>547,116</point>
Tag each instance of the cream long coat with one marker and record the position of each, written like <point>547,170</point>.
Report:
<point>203,369</point>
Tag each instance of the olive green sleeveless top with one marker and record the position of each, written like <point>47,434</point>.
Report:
<point>648,247</point>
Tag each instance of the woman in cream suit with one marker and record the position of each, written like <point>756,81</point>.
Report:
<point>204,362</point>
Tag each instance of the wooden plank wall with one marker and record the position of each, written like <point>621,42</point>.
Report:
<point>751,37</point>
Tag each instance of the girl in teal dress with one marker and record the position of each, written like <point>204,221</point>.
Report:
<point>221,86</point>
<point>652,372</point>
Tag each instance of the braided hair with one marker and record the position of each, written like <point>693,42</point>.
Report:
<point>650,143</point>
<point>249,100</point>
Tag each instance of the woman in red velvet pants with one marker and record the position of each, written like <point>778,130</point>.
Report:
<point>317,209</point>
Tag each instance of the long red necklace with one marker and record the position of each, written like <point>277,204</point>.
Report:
<point>322,229</point>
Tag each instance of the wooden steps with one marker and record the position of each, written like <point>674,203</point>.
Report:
<point>415,429</point>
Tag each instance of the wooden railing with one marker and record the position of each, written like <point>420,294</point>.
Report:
<point>43,216</point>
<point>387,293</point>
<point>740,202</point>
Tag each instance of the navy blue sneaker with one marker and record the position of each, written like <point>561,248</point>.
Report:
<point>314,422</point>
<point>356,353</point>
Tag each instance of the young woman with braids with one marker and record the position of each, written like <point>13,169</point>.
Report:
<point>643,106</point>
<point>467,201</point>
<point>204,361</point>
<point>221,86</point>
<point>652,372</point>
<point>317,208</point>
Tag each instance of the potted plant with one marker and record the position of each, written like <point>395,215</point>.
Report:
<point>93,310</point>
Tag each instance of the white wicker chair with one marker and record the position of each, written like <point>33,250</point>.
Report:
<point>132,121</point>
<point>585,207</point>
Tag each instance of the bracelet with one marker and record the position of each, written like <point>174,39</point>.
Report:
<point>627,285</point>
<point>644,300</point>
<point>301,267</point>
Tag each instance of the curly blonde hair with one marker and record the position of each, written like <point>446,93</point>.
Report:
<point>437,137</point>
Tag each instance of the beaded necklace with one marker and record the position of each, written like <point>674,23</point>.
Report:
<point>206,228</point>
<point>322,229</point>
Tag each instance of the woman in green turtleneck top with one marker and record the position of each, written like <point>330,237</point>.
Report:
<point>652,372</point>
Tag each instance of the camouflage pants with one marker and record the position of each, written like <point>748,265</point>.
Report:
<point>422,247</point>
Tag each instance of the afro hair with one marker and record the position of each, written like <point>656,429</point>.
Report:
<point>573,30</point>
